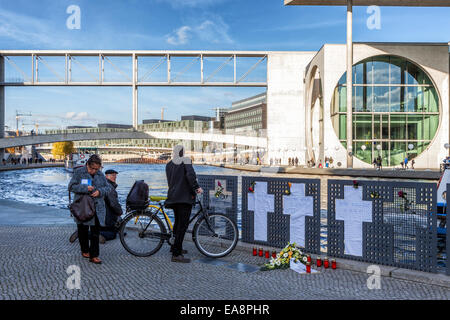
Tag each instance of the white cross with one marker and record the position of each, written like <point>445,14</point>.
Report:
<point>260,203</point>
<point>354,211</point>
<point>298,206</point>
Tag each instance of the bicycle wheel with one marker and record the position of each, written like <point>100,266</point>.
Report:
<point>142,233</point>
<point>217,238</point>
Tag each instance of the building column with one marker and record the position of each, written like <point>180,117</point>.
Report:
<point>2,104</point>
<point>349,83</point>
<point>135,93</point>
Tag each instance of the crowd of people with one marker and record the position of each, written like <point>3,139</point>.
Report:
<point>90,181</point>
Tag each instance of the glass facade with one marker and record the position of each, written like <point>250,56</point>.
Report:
<point>395,110</point>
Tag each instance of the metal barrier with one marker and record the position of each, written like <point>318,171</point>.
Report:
<point>220,194</point>
<point>447,235</point>
<point>276,211</point>
<point>383,222</point>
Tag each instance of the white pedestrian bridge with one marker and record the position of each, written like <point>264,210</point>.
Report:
<point>259,142</point>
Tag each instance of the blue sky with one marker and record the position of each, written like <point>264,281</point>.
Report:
<point>180,25</point>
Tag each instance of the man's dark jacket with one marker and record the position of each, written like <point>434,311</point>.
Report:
<point>182,182</point>
<point>113,208</point>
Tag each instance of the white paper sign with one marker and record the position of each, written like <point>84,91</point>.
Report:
<point>354,211</point>
<point>298,206</point>
<point>260,203</point>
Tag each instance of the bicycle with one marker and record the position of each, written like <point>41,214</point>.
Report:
<point>142,232</point>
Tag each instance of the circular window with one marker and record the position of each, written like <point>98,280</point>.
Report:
<point>395,110</point>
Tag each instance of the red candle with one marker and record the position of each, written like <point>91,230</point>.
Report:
<point>308,267</point>
<point>274,254</point>
<point>308,258</point>
<point>333,264</point>
<point>261,253</point>
<point>325,263</point>
<point>254,252</point>
<point>267,254</point>
<point>319,261</point>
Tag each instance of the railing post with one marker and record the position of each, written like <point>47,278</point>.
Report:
<point>2,104</point>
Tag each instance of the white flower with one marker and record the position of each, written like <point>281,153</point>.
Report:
<point>278,263</point>
<point>305,259</point>
<point>285,255</point>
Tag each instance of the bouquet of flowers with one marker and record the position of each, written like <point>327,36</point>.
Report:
<point>282,260</point>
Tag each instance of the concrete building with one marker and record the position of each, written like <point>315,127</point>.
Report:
<point>247,115</point>
<point>120,148</point>
<point>400,104</point>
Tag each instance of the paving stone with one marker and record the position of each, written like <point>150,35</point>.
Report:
<point>34,260</point>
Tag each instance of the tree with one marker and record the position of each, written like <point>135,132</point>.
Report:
<point>62,149</point>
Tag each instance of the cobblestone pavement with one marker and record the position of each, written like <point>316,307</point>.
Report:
<point>34,260</point>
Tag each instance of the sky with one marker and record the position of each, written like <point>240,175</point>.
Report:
<point>260,25</point>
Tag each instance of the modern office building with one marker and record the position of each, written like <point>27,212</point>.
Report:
<point>247,115</point>
<point>400,104</point>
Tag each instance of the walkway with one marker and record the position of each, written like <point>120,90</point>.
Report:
<point>34,260</point>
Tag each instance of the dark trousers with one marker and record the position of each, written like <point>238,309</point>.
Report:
<point>182,214</point>
<point>84,238</point>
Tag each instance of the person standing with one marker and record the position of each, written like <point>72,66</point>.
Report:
<point>406,162</point>
<point>183,187</point>
<point>113,208</point>
<point>90,180</point>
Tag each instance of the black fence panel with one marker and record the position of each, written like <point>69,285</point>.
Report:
<point>287,210</point>
<point>383,222</point>
<point>220,194</point>
<point>444,224</point>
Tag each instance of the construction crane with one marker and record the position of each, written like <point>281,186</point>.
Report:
<point>36,126</point>
<point>18,116</point>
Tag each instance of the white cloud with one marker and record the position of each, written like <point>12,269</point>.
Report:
<point>24,28</point>
<point>176,4</point>
<point>208,31</point>
<point>180,36</point>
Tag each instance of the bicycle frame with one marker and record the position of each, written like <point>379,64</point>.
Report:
<point>169,223</point>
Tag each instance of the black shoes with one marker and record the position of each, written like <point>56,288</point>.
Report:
<point>181,259</point>
<point>182,251</point>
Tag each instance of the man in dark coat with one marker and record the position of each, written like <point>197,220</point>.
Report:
<point>113,208</point>
<point>183,187</point>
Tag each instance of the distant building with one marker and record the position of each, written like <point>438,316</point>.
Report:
<point>249,114</point>
<point>197,118</point>
<point>149,121</point>
<point>115,126</point>
<point>122,146</point>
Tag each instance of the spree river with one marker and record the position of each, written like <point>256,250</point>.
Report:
<point>48,186</point>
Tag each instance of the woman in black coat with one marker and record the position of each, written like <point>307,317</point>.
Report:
<point>183,187</point>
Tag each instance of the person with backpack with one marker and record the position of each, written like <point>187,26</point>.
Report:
<point>89,180</point>
<point>183,187</point>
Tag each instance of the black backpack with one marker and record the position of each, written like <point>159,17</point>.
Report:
<point>137,198</point>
